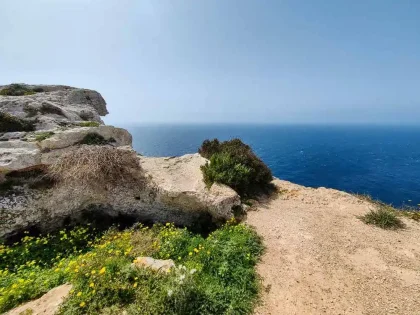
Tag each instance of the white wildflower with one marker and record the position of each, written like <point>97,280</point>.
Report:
<point>193,271</point>
<point>170,292</point>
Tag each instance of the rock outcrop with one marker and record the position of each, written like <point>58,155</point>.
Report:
<point>165,189</point>
<point>55,106</point>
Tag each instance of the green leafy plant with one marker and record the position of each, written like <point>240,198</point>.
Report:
<point>233,163</point>
<point>9,123</point>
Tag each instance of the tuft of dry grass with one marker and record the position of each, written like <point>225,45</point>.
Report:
<point>96,166</point>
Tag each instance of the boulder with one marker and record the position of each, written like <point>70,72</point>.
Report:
<point>154,264</point>
<point>55,106</point>
<point>48,304</point>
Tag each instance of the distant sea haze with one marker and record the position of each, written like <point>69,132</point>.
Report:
<point>382,161</point>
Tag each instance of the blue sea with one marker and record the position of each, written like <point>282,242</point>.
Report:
<point>382,161</point>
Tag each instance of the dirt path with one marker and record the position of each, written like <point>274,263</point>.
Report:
<point>321,259</point>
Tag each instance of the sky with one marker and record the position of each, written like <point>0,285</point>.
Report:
<point>227,61</point>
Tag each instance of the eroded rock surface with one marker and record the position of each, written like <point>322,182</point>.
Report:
<point>167,189</point>
<point>56,106</point>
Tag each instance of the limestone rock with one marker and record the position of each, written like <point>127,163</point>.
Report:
<point>155,264</point>
<point>56,106</point>
<point>48,304</point>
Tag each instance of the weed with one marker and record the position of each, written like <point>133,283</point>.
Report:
<point>383,218</point>
<point>43,135</point>
<point>94,138</point>
<point>19,90</point>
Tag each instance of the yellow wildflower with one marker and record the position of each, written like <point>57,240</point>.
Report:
<point>82,304</point>
<point>102,271</point>
<point>79,293</point>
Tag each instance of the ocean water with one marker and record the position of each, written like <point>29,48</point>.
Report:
<point>382,161</point>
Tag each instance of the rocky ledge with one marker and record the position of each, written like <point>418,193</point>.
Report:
<point>65,120</point>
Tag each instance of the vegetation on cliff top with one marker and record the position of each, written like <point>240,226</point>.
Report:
<point>233,163</point>
<point>213,275</point>
<point>19,90</point>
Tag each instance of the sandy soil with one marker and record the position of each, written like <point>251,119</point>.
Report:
<point>321,259</point>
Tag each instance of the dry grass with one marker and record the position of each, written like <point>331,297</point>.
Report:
<point>93,166</point>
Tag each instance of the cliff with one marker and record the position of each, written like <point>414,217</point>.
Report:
<point>67,167</point>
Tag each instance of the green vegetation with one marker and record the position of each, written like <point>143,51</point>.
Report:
<point>383,218</point>
<point>410,212</point>
<point>30,110</point>
<point>34,179</point>
<point>93,138</point>
<point>89,124</point>
<point>233,163</point>
<point>19,90</point>
<point>43,135</point>
<point>213,275</point>
<point>9,123</point>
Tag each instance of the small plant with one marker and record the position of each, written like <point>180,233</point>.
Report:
<point>19,90</point>
<point>93,138</point>
<point>9,123</point>
<point>89,124</point>
<point>383,218</point>
<point>233,163</point>
<point>41,136</point>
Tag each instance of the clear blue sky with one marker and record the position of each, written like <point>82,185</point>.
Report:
<point>314,61</point>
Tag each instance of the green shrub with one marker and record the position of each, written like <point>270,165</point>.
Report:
<point>233,163</point>
<point>9,123</point>
<point>94,138</point>
<point>89,124</point>
<point>19,90</point>
<point>383,218</point>
<point>30,110</point>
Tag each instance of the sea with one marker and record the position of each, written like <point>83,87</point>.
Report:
<point>381,161</point>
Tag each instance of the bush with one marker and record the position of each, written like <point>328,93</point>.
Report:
<point>19,90</point>
<point>383,218</point>
<point>233,163</point>
<point>93,166</point>
<point>9,123</point>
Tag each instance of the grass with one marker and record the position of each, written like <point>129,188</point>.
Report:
<point>213,275</point>
<point>89,124</point>
<point>383,218</point>
<point>386,216</point>
<point>43,135</point>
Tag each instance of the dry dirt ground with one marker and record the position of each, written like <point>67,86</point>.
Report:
<point>321,259</point>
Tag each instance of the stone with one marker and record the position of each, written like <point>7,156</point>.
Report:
<point>57,106</point>
<point>12,136</point>
<point>155,264</point>
<point>48,304</point>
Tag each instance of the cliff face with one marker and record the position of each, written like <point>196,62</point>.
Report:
<point>66,120</point>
